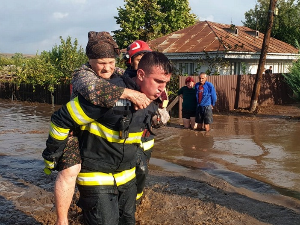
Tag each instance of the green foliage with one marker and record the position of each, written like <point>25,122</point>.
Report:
<point>18,59</point>
<point>48,68</point>
<point>293,78</point>
<point>121,63</point>
<point>10,66</point>
<point>149,19</point>
<point>4,61</point>
<point>66,57</point>
<point>173,85</point>
<point>256,18</point>
<point>286,23</point>
<point>244,67</point>
<point>38,71</point>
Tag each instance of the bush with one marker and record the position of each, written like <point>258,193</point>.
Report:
<point>293,79</point>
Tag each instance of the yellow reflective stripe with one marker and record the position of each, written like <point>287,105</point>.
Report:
<point>139,195</point>
<point>98,178</point>
<point>95,179</point>
<point>165,103</point>
<point>58,133</point>
<point>147,145</point>
<point>77,113</point>
<point>49,164</point>
<point>125,176</point>
<point>111,135</point>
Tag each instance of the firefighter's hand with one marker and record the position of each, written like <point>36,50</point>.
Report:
<point>49,166</point>
<point>139,99</point>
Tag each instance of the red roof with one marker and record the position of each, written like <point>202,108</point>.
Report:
<point>209,36</point>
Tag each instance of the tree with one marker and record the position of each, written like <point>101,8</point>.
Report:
<point>286,23</point>
<point>293,78</point>
<point>256,18</point>
<point>37,71</point>
<point>149,19</point>
<point>66,57</point>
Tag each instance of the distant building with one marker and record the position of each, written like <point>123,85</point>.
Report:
<point>222,49</point>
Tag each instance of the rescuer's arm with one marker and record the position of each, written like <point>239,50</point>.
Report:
<point>100,92</point>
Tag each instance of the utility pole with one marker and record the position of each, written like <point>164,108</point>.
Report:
<point>263,55</point>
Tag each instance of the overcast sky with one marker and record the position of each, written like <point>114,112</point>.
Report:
<point>32,26</point>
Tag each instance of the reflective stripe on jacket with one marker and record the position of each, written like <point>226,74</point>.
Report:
<point>147,145</point>
<point>111,135</point>
<point>98,178</point>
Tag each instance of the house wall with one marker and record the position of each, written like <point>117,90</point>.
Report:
<point>235,67</point>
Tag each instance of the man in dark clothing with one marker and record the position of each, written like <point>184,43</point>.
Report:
<point>108,140</point>
<point>135,52</point>
<point>269,71</point>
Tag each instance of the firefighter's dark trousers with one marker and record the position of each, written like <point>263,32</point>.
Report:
<point>141,171</point>
<point>108,206</point>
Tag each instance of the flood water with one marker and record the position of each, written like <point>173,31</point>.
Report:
<point>257,153</point>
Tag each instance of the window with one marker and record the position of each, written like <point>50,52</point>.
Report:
<point>192,69</point>
<point>180,68</point>
<point>186,68</point>
<point>237,68</point>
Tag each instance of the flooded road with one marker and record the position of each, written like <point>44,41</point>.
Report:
<point>236,149</point>
<point>257,153</point>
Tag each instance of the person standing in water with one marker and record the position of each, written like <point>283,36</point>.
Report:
<point>206,100</point>
<point>189,103</point>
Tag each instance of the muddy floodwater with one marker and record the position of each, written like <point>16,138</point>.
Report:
<point>237,149</point>
<point>257,153</point>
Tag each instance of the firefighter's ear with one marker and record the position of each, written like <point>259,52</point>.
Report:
<point>140,74</point>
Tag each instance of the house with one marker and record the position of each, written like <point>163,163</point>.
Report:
<point>222,49</point>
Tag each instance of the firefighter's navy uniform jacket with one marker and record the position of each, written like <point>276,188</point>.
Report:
<point>108,141</point>
<point>108,138</point>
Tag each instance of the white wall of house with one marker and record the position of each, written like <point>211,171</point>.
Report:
<point>236,66</point>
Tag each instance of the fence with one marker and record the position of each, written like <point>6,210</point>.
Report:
<point>26,92</point>
<point>233,91</point>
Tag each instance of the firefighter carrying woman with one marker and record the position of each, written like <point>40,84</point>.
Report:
<point>109,138</point>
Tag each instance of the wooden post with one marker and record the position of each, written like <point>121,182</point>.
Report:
<point>263,55</point>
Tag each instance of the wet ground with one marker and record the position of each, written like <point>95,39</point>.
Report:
<point>229,175</point>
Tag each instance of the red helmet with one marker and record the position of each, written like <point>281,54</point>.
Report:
<point>136,48</point>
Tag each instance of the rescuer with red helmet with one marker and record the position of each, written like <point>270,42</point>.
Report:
<point>134,53</point>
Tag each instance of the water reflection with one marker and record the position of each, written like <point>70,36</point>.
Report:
<point>24,127</point>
